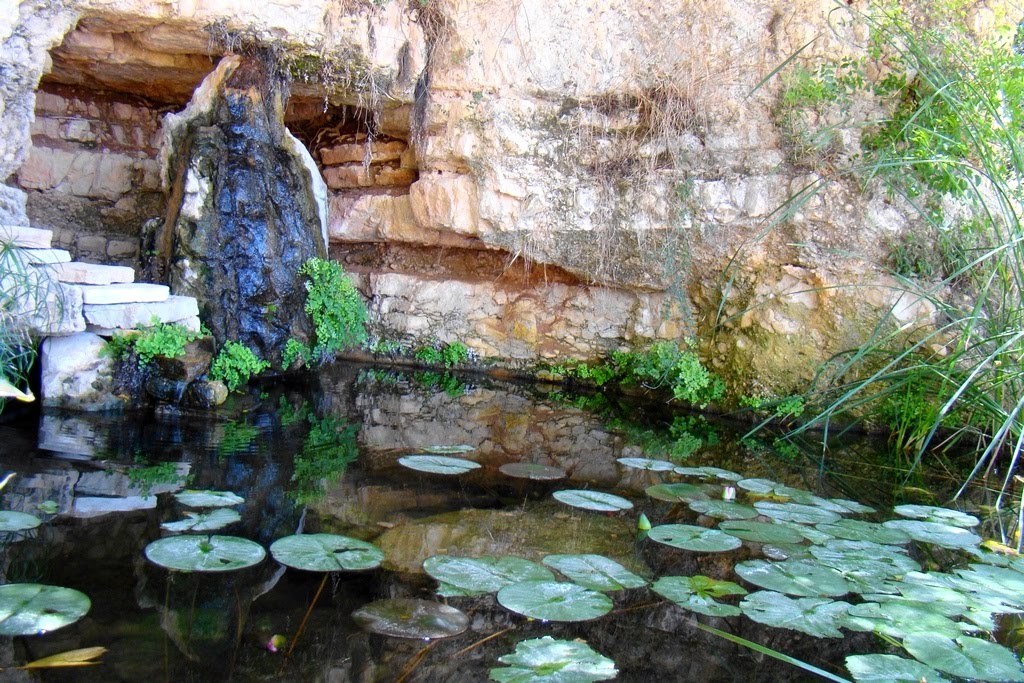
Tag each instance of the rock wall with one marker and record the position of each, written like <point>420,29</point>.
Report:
<point>630,148</point>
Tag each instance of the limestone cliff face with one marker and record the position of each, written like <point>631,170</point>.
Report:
<point>536,179</point>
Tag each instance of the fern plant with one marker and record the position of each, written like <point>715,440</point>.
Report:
<point>335,306</point>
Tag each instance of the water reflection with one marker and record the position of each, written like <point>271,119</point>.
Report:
<point>324,458</point>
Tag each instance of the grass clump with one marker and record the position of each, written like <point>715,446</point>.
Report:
<point>159,339</point>
<point>449,355</point>
<point>338,311</point>
<point>236,364</point>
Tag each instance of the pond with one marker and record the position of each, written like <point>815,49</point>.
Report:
<point>337,457</point>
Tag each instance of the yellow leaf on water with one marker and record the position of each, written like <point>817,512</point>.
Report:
<point>997,547</point>
<point>80,657</point>
<point>8,390</point>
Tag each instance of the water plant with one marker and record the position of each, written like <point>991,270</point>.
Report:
<point>235,364</point>
<point>200,553</point>
<point>411,618</point>
<point>438,464</point>
<point>32,608</point>
<point>546,660</point>
<point>335,306</point>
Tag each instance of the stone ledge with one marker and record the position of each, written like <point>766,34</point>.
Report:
<point>124,293</point>
<point>77,272</point>
<point>26,237</point>
<point>128,315</point>
<point>46,256</point>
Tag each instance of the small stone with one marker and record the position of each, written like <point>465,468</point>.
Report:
<point>166,390</point>
<point>206,394</point>
<point>122,249</point>
<point>77,374</point>
<point>92,246</point>
<point>192,364</point>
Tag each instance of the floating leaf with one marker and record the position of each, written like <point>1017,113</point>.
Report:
<point>930,513</point>
<point>205,553</point>
<point>723,509</point>
<point>900,618</point>
<point>595,572</point>
<point>647,464</point>
<point>449,450</point>
<point>859,530</point>
<point>795,577</point>
<point>206,521</point>
<point>933,532</point>
<point>71,658</point>
<point>852,506</point>
<point>551,601</point>
<point>410,618</point>
<point>48,507</point>
<point>546,660</point>
<point>592,500</point>
<point>761,532</point>
<point>785,551</point>
<point>840,550</point>
<point>677,493</point>
<point>17,521</point>
<point>708,473</point>
<point>28,609</point>
<point>479,575</point>
<point>1007,584</point>
<point>965,657</point>
<point>795,512</point>
<point>326,553</point>
<point>761,486</point>
<point>695,538</point>
<point>697,593</point>
<point>890,669</point>
<point>438,464</point>
<point>529,470</point>
<point>812,534</point>
<point>208,499</point>
<point>818,617</point>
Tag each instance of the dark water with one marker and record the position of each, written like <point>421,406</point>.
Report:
<point>324,458</point>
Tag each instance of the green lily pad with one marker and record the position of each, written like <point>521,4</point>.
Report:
<point>479,575</point>
<point>449,450</point>
<point>818,617</point>
<point>785,551</point>
<point>901,618</point>
<point>943,535</point>
<point>760,486</point>
<point>647,464</point>
<point>708,473</point>
<point>795,577</point>
<point>28,609</point>
<point>205,553</point>
<point>723,509</point>
<point>326,553</point>
<point>677,493</point>
<point>208,499</point>
<point>965,657</point>
<point>438,464</point>
<point>930,513</point>
<point>1006,584</point>
<point>890,669</point>
<point>852,506</point>
<point>546,660</point>
<point>11,520</point>
<point>217,518</point>
<point>862,573</point>
<point>592,500</point>
<point>841,550</point>
<point>550,601</point>
<point>695,538</point>
<point>859,530</point>
<point>529,470</point>
<point>697,593</point>
<point>795,512</point>
<point>595,572</point>
<point>811,533</point>
<point>411,618</point>
<point>761,532</point>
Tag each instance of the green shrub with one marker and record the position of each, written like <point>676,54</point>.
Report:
<point>294,350</point>
<point>235,364</point>
<point>447,355</point>
<point>338,311</point>
<point>159,339</point>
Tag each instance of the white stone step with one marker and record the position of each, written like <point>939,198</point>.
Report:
<point>126,293</point>
<point>77,272</point>
<point>46,256</point>
<point>24,236</point>
<point>126,316</point>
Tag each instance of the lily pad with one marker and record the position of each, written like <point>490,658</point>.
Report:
<point>965,657</point>
<point>943,535</point>
<point>818,617</point>
<point>438,464</point>
<point>411,618</point>
<point>595,572</point>
<point>205,521</point>
<point>760,486</point>
<point>931,513</point>
<point>326,553</point>
<point>592,500</point>
<point>454,449</point>
<point>859,530</point>
<point>648,464</point>
<point>205,553</point>
<point>890,669</point>
<point>529,470</point>
<point>546,660</point>
<point>28,609</point>
<point>852,506</point>
<point>723,509</point>
<point>795,512</point>
<point>901,618</point>
<point>1007,584</point>
<point>11,520</point>
<point>208,499</point>
<point>479,575</point>
<point>708,473</point>
<point>795,577</point>
<point>695,538</point>
<point>677,493</point>
<point>697,593</point>
<point>550,601</point>
<point>761,532</point>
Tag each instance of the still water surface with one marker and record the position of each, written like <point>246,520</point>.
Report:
<point>323,458</point>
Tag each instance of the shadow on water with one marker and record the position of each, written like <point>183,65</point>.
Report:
<point>324,458</point>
